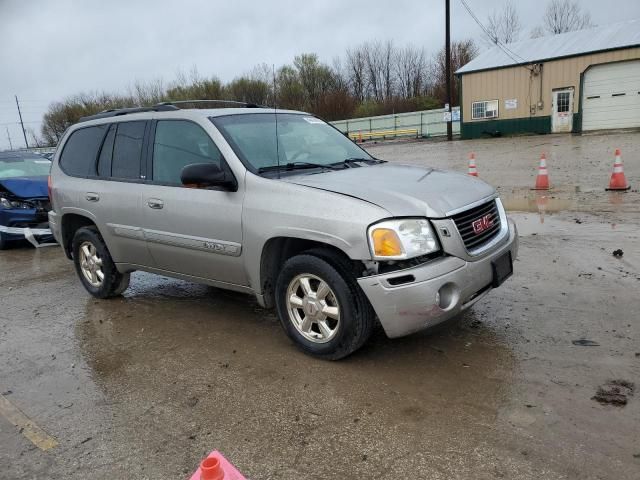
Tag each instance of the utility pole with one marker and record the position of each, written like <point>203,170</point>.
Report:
<point>24,133</point>
<point>9,137</point>
<point>447,69</point>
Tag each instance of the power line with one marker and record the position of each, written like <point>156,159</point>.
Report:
<point>510,53</point>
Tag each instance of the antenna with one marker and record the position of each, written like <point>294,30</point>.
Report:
<point>275,115</point>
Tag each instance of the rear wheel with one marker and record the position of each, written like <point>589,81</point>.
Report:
<point>3,242</point>
<point>94,265</point>
<point>321,306</point>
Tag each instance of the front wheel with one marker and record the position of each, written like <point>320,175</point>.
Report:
<point>321,307</point>
<point>94,265</point>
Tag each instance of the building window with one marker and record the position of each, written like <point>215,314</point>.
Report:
<point>563,102</point>
<point>485,109</point>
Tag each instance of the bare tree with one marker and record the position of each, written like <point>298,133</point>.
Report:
<point>356,62</point>
<point>563,16</point>
<point>461,53</point>
<point>410,68</point>
<point>378,58</point>
<point>316,78</point>
<point>537,32</point>
<point>504,25</point>
<point>148,93</point>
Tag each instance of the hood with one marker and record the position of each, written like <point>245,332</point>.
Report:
<point>403,190</point>
<point>26,187</point>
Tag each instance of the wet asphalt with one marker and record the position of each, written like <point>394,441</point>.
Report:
<point>146,385</point>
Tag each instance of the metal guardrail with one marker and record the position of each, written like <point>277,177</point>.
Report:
<point>421,124</point>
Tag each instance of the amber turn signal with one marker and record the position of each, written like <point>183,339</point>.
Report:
<point>386,242</point>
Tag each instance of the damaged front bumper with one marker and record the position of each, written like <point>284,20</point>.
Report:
<point>413,299</point>
<point>25,224</point>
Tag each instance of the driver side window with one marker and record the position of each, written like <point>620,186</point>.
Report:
<point>179,143</point>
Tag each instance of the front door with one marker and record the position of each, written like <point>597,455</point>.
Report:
<point>196,232</point>
<point>562,110</point>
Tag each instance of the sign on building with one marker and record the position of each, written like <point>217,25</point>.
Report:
<point>511,103</point>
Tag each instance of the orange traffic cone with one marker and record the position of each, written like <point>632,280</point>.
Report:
<point>542,180</point>
<point>210,469</point>
<point>473,171</point>
<point>618,180</point>
<point>216,467</point>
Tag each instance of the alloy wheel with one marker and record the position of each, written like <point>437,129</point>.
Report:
<point>91,264</point>
<point>313,308</point>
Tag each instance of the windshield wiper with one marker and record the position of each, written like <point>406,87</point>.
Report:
<point>296,166</point>
<point>354,161</point>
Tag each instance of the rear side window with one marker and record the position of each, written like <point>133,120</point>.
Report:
<point>81,151</point>
<point>127,150</point>
<point>179,143</point>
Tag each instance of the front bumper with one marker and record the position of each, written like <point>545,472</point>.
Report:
<point>412,304</point>
<point>18,224</point>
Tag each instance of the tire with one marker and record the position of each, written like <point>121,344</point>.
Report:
<point>4,244</point>
<point>91,256</point>
<point>331,338</point>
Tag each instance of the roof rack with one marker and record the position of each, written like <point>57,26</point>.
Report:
<point>160,107</point>
<point>115,112</point>
<point>230,102</point>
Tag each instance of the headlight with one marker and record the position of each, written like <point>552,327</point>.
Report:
<point>401,239</point>
<point>6,203</point>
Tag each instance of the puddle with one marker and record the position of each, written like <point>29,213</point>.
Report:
<point>200,364</point>
<point>538,202</point>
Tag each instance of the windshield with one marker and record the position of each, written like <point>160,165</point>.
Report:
<point>17,166</point>
<point>301,138</point>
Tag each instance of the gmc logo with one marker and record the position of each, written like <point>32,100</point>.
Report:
<point>482,224</point>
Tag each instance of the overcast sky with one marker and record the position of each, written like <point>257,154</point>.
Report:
<point>51,49</point>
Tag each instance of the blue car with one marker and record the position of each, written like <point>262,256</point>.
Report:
<point>24,198</point>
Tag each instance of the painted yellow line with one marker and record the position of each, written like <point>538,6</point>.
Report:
<point>28,428</point>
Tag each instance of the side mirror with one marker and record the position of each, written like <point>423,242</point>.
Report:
<point>207,175</point>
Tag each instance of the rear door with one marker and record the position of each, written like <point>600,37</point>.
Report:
<point>114,193</point>
<point>196,232</point>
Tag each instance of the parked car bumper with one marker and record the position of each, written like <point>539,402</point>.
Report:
<point>18,224</point>
<point>429,294</point>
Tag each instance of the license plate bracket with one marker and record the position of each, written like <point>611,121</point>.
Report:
<point>502,269</point>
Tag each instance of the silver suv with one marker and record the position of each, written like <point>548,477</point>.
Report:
<point>282,206</point>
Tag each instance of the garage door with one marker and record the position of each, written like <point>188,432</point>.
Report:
<point>611,96</point>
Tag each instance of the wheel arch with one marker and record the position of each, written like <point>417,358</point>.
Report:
<point>69,225</point>
<point>277,250</point>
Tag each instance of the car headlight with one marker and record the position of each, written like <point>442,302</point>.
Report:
<point>6,203</point>
<point>401,239</point>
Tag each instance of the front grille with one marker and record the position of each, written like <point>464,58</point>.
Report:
<point>465,223</point>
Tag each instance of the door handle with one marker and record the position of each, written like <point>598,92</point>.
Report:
<point>92,197</point>
<point>155,203</point>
